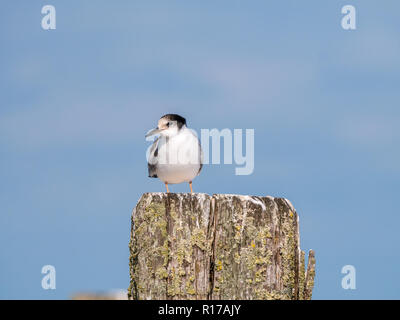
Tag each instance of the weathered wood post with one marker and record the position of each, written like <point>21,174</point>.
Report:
<point>196,246</point>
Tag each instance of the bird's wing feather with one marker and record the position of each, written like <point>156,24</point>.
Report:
<point>152,163</point>
<point>200,157</point>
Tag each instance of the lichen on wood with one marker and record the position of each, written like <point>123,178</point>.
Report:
<point>194,246</point>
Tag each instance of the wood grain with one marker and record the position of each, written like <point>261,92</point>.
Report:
<point>196,246</point>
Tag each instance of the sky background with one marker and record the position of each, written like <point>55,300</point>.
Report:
<point>76,102</point>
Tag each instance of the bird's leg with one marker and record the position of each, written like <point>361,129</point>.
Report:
<point>166,185</point>
<point>191,189</point>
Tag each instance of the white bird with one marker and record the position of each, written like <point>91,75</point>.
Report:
<point>176,155</point>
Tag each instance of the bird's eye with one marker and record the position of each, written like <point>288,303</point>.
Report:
<point>168,123</point>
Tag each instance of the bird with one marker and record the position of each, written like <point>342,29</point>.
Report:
<point>176,155</point>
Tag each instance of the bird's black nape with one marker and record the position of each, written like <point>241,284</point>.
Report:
<point>175,117</point>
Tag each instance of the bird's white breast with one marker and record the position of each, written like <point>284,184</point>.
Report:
<point>179,157</point>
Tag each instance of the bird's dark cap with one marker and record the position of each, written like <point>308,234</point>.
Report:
<point>175,117</point>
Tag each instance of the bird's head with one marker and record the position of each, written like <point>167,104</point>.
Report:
<point>168,125</point>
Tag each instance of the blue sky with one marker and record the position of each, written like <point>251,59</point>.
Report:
<point>76,102</point>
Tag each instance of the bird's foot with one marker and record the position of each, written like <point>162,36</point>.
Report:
<point>191,189</point>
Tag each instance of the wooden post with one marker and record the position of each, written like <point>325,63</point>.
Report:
<point>196,246</point>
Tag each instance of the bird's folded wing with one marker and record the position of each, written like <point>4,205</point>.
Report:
<point>152,161</point>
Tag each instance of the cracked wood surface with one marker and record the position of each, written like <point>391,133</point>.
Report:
<point>196,246</point>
